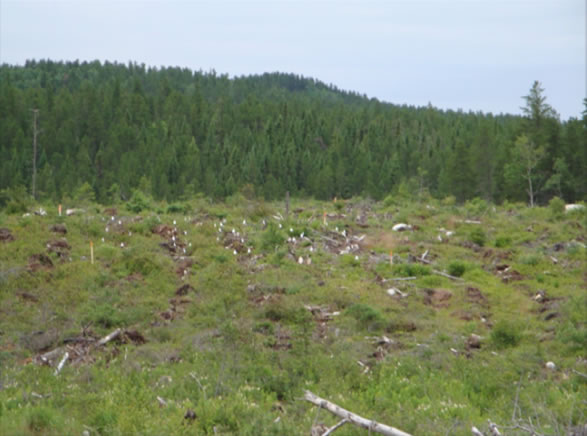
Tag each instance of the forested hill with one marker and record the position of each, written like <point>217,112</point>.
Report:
<point>172,132</point>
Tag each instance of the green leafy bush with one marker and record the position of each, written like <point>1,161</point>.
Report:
<point>178,208</point>
<point>389,201</point>
<point>138,202</point>
<point>142,263</point>
<point>477,206</point>
<point>105,315</point>
<point>15,200</point>
<point>41,418</point>
<point>410,270</point>
<point>457,268</point>
<point>84,195</point>
<point>365,315</point>
<point>503,241</point>
<point>556,207</point>
<point>506,334</point>
<point>478,236</point>
<point>271,238</point>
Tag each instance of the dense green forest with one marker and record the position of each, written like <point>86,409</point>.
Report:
<point>173,132</point>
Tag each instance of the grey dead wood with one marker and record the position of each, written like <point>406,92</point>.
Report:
<point>109,337</point>
<point>448,276</point>
<point>62,363</point>
<point>351,417</point>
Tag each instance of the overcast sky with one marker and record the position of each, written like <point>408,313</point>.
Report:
<point>467,54</point>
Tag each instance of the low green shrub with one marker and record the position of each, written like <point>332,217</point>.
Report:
<point>272,238</point>
<point>506,334</point>
<point>41,418</point>
<point>457,268</point>
<point>556,207</point>
<point>178,208</point>
<point>138,202</point>
<point>530,259</point>
<point>410,270</point>
<point>503,241</point>
<point>365,315</point>
<point>478,236</point>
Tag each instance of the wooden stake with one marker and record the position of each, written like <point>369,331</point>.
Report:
<point>391,257</point>
<point>59,208</point>
<point>92,251</point>
<point>324,218</point>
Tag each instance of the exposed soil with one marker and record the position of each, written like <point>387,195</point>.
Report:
<point>39,261</point>
<point>60,247</point>
<point>183,266</point>
<point>507,274</point>
<point>184,289</point>
<point>58,228</point>
<point>437,298</point>
<point>475,296</point>
<point>6,235</point>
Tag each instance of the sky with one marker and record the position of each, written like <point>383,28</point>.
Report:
<point>472,55</point>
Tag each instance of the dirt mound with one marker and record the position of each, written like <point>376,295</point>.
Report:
<point>475,296</point>
<point>282,339</point>
<point>184,289</point>
<point>59,246</point>
<point>6,235</point>
<point>508,274</point>
<point>39,261</point>
<point>183,266</point>
<point>343,242</point>
<point>58,228</point>
<point>164,231</point>
<point>437,298</point>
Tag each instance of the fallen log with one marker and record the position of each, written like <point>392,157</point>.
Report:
<point>351,417</point>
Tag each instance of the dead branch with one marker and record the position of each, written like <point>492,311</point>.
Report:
<point>62,363</point>
<point>398,279</point>
<point>421,259</point>
<point>335,427</point>
<point>476,431</point>
<point>448,276</point>
<point>352,417</point>
<point>109,337</point>
<point>493,429</point>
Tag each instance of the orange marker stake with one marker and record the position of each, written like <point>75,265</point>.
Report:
<point>92,252</point>
<point>59,208</point>
<point>391,257</point>
<point>324,218</point>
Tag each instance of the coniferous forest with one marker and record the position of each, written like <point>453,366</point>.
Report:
<point>109,129</point>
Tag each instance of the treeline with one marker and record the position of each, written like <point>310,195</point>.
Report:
<point>172,133</point>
